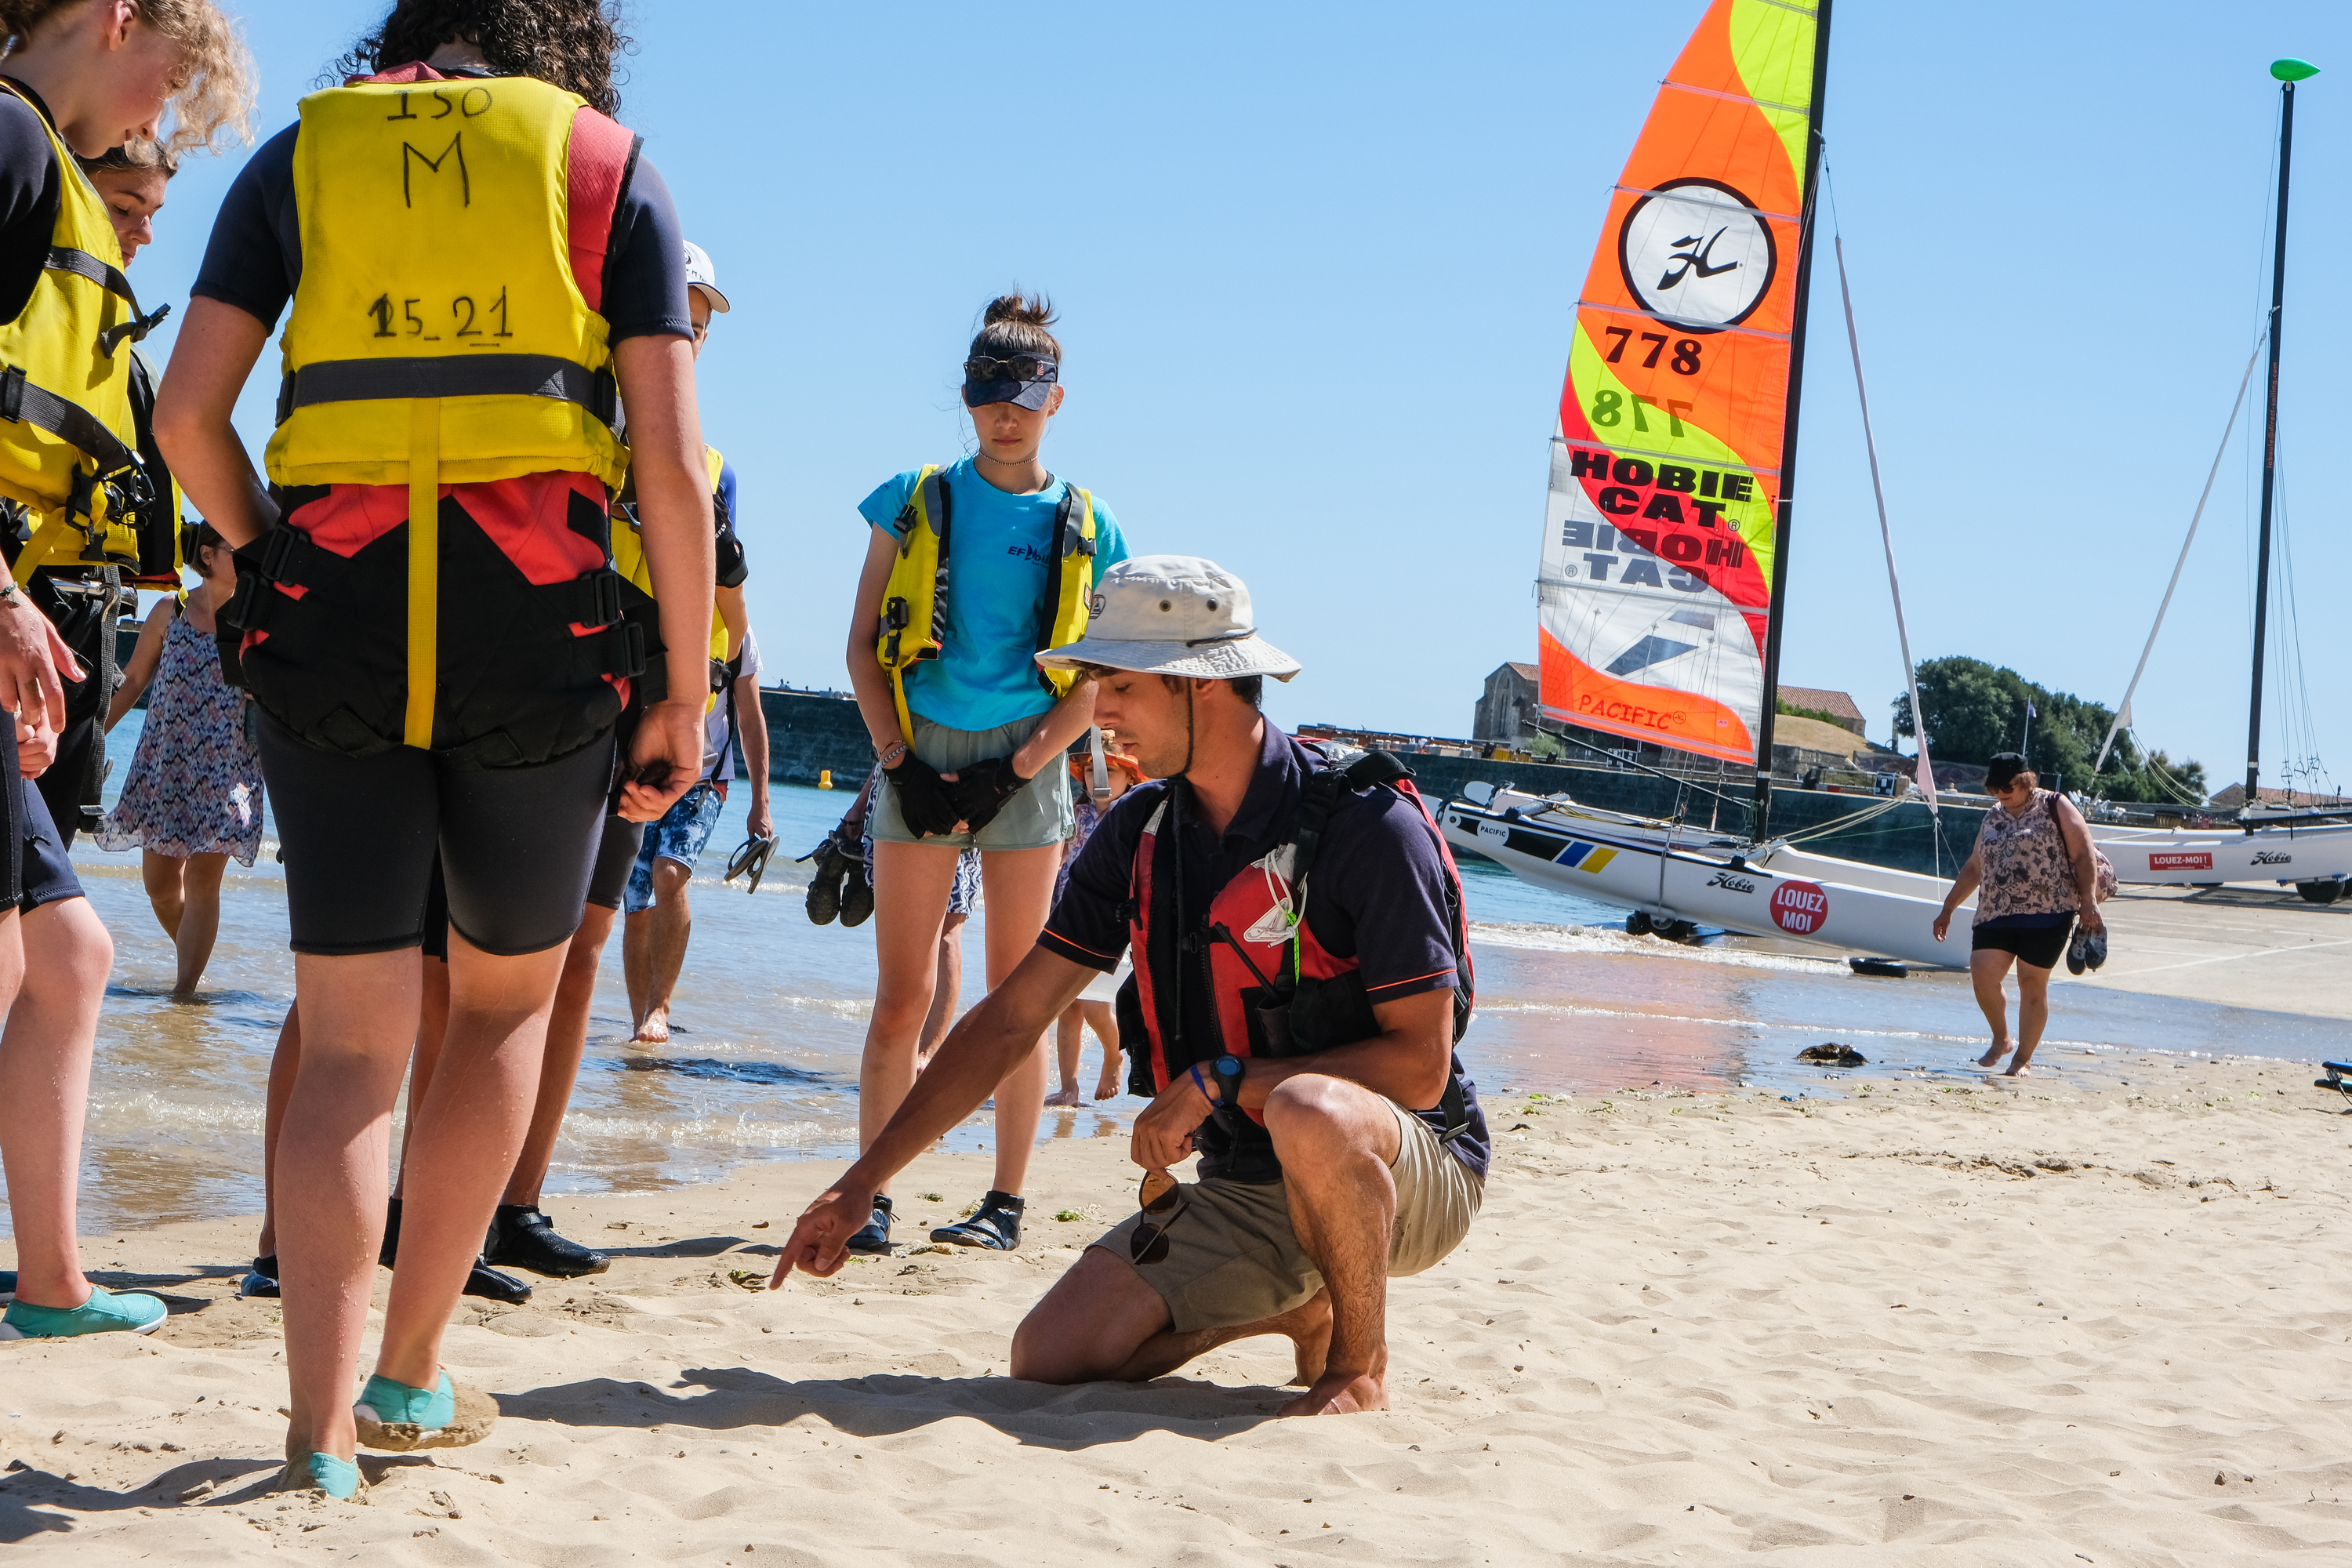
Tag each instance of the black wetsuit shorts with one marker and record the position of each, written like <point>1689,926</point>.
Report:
<point>616,854</point>
<point>516,845</point>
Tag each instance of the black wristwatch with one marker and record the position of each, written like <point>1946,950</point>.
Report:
<point>1225,1072</point>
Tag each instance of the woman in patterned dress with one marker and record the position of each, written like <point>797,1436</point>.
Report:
<point>193,797</point>
<point>2039,876</point>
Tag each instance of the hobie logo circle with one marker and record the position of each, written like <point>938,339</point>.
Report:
<point>1696,253</point>
<point>1800,908</point>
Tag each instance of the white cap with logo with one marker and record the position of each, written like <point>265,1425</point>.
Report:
<point>700,274</point>
<point>1172,614</point>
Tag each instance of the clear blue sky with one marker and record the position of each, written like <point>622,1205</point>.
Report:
<point>1317,266</point>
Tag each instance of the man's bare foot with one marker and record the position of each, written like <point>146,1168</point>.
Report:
<point>1106,1089</point>
<point>654,1030</point>
<point>2019,1068</point>
<point>1339,1393</point>
<point>1991,1058</point>
<point>1308,1327</point>
<point>1068,1096</point>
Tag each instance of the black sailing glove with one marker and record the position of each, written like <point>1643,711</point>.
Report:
<point>924,800</point>
<point>982,788</point>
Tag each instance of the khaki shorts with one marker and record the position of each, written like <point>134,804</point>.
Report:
<point>1232,1257</point>
<point>1037,816</point>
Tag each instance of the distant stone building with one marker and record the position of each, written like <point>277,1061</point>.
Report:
<point>1840,708</point>
<point>1510,698</point>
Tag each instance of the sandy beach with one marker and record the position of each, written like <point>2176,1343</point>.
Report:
<point>1885,1322</point>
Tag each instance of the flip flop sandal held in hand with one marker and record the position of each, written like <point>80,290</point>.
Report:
<point>752,856</point>
<point>833,868</point>
<point>995,1225</point>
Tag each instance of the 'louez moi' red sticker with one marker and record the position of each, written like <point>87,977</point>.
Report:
<point>1800,908</point>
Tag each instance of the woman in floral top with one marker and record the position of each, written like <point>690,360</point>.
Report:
<point>2038,877</point>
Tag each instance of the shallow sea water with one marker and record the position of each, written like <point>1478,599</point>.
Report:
<point>773,1010</point>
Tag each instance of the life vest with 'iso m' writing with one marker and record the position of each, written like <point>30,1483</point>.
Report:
<point>1276,991</point>
<point>440,337</point>
<point>914,609</point>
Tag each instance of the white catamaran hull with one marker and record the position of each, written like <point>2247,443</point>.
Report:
<point>1676,873</point>
<point>2266,855</point>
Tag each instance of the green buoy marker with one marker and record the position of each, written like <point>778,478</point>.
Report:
<point>2294,70</point>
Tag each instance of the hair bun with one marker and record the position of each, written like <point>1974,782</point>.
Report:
<point>1021,309</point>
<point>1017,323</point>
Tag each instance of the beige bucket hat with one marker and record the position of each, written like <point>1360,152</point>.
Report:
<point>1172,614</point>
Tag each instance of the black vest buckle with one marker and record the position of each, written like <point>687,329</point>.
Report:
<point>624,651</point>
<point>597,598</point>
<point>283,552</point>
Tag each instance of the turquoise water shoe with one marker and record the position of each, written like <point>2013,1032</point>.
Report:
<point>338,1478</point>
<point>428,1409</point>
<point>400,1419</point>
<point>104,1313</point>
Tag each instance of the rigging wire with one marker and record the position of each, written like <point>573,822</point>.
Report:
<point>1926,773</point>
<point>2123,710</point>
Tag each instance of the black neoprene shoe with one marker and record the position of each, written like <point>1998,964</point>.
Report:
<point>995,1225</point>
<point>492,1285</point>
<point>522,1237</point>
<point>832,869</point>
<point>262,1280</point>
<point>856,896</point>
<point>875,1238</point>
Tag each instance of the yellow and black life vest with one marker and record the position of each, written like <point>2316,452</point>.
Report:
<point>629,560</point>
<point>914,609</point>
<point>67,445</point>
<point>438,335</point>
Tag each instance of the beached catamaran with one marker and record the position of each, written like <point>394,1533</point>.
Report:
<point>1665,561</point>
<point>2311,849</point>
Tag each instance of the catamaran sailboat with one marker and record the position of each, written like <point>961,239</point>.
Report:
<point>1665,539</point>
<point>2314,854</point>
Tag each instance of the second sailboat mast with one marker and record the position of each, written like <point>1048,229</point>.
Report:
<point>2287,72</point>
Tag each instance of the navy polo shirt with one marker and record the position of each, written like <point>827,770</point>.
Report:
<point>1378,895</point>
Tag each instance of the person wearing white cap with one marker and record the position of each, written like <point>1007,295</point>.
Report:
<point>659,921</point>
<point>1302,975</point>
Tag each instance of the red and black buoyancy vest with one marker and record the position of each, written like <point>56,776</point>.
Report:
<point>1276,991</point>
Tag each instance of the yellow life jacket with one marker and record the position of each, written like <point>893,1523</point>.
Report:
<point>914,609</point>
<point>68,444</point>
<point>438,335</point>
<point>629,558</point>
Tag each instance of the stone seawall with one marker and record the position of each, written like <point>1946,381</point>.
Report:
<point>812,731</point>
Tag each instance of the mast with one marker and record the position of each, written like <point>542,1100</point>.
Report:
<point>2287,72</point>
<point>1760,829</point>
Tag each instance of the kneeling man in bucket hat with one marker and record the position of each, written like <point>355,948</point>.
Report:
<point>1301,976</point>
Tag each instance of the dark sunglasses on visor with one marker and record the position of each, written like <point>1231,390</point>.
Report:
<point>982,369</point>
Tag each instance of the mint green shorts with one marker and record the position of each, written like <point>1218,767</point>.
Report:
<point>1037,816</point>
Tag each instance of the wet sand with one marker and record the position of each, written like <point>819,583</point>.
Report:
<point>1885,1323</point>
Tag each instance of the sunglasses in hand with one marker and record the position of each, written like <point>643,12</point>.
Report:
<point>1163,1198</point>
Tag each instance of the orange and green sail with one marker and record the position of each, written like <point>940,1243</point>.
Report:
<point>1666,473</point>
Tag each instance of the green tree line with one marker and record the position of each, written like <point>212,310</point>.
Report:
<point>1974,710</point>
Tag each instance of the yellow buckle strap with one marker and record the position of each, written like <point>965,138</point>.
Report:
<point>423,568</point>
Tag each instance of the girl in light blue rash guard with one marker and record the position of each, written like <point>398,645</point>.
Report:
<point>982,766</point>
